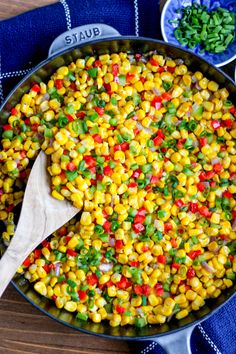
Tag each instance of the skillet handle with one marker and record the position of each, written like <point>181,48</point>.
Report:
<point>81,34</point>
<point>176,343</point>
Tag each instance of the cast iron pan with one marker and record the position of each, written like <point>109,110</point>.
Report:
<point>173,336</point>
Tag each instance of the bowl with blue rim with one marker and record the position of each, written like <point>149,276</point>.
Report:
<point>211,30</point>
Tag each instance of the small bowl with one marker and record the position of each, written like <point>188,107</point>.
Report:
<point>169,12</point>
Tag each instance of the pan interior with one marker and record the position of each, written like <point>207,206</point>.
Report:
<point>43,72</point>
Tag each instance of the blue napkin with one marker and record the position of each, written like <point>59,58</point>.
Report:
<point>24,42</point>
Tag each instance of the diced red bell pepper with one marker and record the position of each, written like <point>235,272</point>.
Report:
<point>232,176</point>
<point>153,62</point>
<point>124,146</point>
<point>157,141</point>
<point>154,179</point>
<point>218,168</point>
<point>70,118</point>
<point>121,147</point>
<point>203,141</point>
<point>202,176</point>
<point>135,264</point>
<point>109,283</point>
<point>71,252</point>
<point>107,170</point>
<point>92,279</point>
<point>115,69</point>
<point>175,265</point>
<point>180,143</point>
<point>71,166</point>
<point>82,294</point>
<point>80,115</point>
<point>7,127</point>
<point>146,289</point>
<point>107,226</point>
<point>27,262</point>
<point>117,147</point>
<point>215,124</point>
<point>139,219</point>
<point>123,283</point>
<point>191,273</point>
<point>34,127</point>
<point>142,211</point>
<point>138,290</point>
<point>37,253</point>
<point>142,79</point>
<point>227,194</point>
<point>100,111</point>
<point>97,138</point>
<point>99,177</point>
<point>136,131</point>
<point>213,184</point>
<point>14,112</point>
<point>171,69</point>
<point>160,134</point>
<point>46,244</point>
<point>73,86</point>
<point>54,297</point>
<point>132,185</point>
<point>193,207</point>
<point>137,173</point>
<point>161,69</point>
<point>179,203</point>
<point>138,228</point>
<point>210,174</point>
<point>201,186</point>
<point>161,259</point>
<point>228,123</point>
<point>166,96</point>
<point>90,161</point>
<point>120,309</point>
<point>119,244</point>
<point>108,88</point>
<point>63,175</point>
<point>58,84</point>
<point>194,254</point>
<point>157,102</point>
<point>204,211</point>
<point>145,248</point>
<point>167,227</point>
<point>68,238</point>
<point>97,64</point>
<point>232,110</point>
<point>46,268</point>
<point>174,243</point>
<point>159,289</point>
<point>36,88</point>
<point>129,77</point>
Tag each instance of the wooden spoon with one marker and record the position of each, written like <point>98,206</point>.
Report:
<point>41,215</point>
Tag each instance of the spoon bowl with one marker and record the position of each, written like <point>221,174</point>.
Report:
<point>41,215</point>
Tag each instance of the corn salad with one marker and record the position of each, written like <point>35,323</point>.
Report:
<point>146,148</point>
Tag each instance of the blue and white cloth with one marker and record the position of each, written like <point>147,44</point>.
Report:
<point>24,42</point>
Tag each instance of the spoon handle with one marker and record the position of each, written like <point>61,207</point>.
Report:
<point>16,253</point>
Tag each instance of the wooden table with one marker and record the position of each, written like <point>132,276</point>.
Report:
<point>23,329</point>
